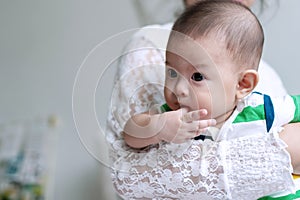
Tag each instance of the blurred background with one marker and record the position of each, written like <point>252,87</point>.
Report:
<point>42,46</point>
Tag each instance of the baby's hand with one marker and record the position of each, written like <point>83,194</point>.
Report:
<point>182,125</point>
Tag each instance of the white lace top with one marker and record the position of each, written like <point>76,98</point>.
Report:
<point>246,167</point>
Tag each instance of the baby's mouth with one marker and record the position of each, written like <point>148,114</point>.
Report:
<point>187,108</point>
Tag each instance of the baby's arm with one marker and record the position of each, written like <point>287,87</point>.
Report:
<point>290,135</point>
<point>174,126</point>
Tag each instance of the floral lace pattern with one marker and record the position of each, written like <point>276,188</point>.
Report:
<point>204,170</point>
<point>256,172</point>
<point>193,170</point>
<point>173,172</point>
<point>139,84</point>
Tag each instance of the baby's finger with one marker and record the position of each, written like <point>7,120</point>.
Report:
<point>206,123</point>
<point>199,132</point>
<point>196,125</point>
<point>190,126</point>
<point>182,136</point>
<point>183,111</point>
<point>192,134</point>
<point>194,115</point>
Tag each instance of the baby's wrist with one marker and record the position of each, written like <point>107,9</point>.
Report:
<point>157,138</point>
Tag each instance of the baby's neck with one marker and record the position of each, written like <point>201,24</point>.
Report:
<point>222,118</point>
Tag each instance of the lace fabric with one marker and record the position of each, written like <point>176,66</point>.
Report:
<point>193,170</point>
<point>257,166</point>
<point>205,170</point>
<point>138,85</point>
<point>173,172</point>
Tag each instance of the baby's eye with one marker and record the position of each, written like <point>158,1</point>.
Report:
<point>172,73</point>
<point>197,77</point>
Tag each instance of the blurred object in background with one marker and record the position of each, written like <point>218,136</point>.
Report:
<point>158,11</point>
<point>27,158</point>
<point>165,11</point>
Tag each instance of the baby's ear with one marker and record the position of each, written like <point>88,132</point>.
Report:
<point>247,82</point>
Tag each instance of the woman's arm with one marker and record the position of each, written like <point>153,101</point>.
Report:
<point>291,136</point>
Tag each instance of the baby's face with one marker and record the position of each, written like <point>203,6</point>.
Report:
<point>247,3</point>
<point>200,77</point>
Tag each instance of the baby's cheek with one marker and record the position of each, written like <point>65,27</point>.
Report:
<point>220,107</point>
<point>171,100</point>
<point>173,104</point>
<point>210,109</point>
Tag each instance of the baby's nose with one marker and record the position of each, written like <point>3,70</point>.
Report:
<point>182,88</point>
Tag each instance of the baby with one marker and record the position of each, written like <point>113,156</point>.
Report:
<point>211,68</point>
<point>212,58</point>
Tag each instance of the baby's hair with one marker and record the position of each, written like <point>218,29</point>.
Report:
<point>231,23</point>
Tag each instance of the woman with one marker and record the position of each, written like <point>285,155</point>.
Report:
<point>143,64</point>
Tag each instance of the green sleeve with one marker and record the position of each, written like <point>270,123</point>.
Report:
<point>287,197</point>
<point>296,99</point>
<point>165,108</point>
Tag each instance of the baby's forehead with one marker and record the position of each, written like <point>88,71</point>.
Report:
<point>187,49</point>
<point>205,49</point>
<point>189,66</point>
<point>187,59</point>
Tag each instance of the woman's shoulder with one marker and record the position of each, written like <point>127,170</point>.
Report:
<point>167,26</point>
<point>157,34</point>
<point>144,31</point>
<point>269,81</point>
<point>150,37</point>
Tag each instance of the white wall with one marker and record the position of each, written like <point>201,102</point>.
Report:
<point>42,45</point>
<point>282,43</point>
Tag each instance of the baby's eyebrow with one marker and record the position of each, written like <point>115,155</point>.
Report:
<point>200,66</point>
<point>168,64</point>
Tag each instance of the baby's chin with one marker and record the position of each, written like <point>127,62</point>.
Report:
<point>190,109</point>
<point>187,108</point>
